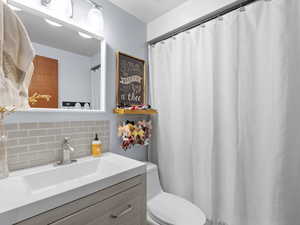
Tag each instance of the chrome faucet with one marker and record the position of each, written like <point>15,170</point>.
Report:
<point>66,153</point>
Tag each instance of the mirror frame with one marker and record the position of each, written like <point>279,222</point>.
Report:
<point>67,22</point>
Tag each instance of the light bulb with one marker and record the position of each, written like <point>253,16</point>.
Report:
<point>62,7</point>
<point>53,23</point>
<point>84,35</point>
<point>95,20</point>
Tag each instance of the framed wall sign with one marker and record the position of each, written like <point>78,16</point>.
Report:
<point>131,81</point>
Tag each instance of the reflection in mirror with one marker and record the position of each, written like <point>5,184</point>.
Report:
<point>67,65</point>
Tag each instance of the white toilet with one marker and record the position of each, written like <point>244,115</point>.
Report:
<point>168,209</point>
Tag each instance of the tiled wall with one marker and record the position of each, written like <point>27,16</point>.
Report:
<point>34,144</point>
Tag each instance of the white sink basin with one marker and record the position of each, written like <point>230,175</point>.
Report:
<point>29,192</point>
<point>42,181</point>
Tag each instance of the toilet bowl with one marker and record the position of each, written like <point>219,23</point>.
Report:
<point>168,209</point>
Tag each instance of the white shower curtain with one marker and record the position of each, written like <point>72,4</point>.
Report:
<point>228,124</point>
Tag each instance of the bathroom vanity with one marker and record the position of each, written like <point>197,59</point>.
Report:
<point>93,191</point>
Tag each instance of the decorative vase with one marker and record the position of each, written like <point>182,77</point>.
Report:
<point>3,151</point>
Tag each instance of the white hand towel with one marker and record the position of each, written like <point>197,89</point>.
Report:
<point>16,56</point>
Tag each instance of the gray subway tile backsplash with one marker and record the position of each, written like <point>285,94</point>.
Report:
<point>25,126</point>
<point>35,144</point>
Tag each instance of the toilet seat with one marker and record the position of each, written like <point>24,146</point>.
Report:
<point>168,209</point>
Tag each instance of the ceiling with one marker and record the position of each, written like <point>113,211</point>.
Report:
<point>147,10</point>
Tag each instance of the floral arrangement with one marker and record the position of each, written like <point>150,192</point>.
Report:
<point>132,133</point>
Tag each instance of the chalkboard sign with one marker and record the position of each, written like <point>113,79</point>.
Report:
<point>130,80</point>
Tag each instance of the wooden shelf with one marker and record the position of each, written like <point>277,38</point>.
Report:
<point>135,112</point>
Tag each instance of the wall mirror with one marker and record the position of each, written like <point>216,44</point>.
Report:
<point>68,65</point>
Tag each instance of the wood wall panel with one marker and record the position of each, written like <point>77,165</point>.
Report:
<point>45,81</point>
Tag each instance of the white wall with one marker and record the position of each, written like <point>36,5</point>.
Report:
<point>74,73</point>
<point>183,14</point>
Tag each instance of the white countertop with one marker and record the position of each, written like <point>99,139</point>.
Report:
<point>29,192</point>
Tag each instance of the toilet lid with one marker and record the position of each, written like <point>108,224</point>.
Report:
<point>168,209</point>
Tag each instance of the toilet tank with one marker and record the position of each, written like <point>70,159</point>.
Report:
<point>153,183</point>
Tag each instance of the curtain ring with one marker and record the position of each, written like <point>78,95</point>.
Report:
<point>242,9</point>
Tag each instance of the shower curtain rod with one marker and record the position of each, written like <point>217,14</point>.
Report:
<point>213,15</point>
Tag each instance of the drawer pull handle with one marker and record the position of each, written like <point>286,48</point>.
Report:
<point>126,211</point>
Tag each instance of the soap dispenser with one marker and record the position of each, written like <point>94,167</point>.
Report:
<point>96,147</point>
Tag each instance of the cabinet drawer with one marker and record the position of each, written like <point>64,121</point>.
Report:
<point>122,209</point>
<point>114,199</point>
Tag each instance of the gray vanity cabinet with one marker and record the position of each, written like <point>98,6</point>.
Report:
<point>121,204</point>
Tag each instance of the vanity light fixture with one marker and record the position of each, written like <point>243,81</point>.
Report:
<point>14,7</point>
<point>61,7</point>
<point>95,17</point>
<point>86,36</point>
<point>53,23</point>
